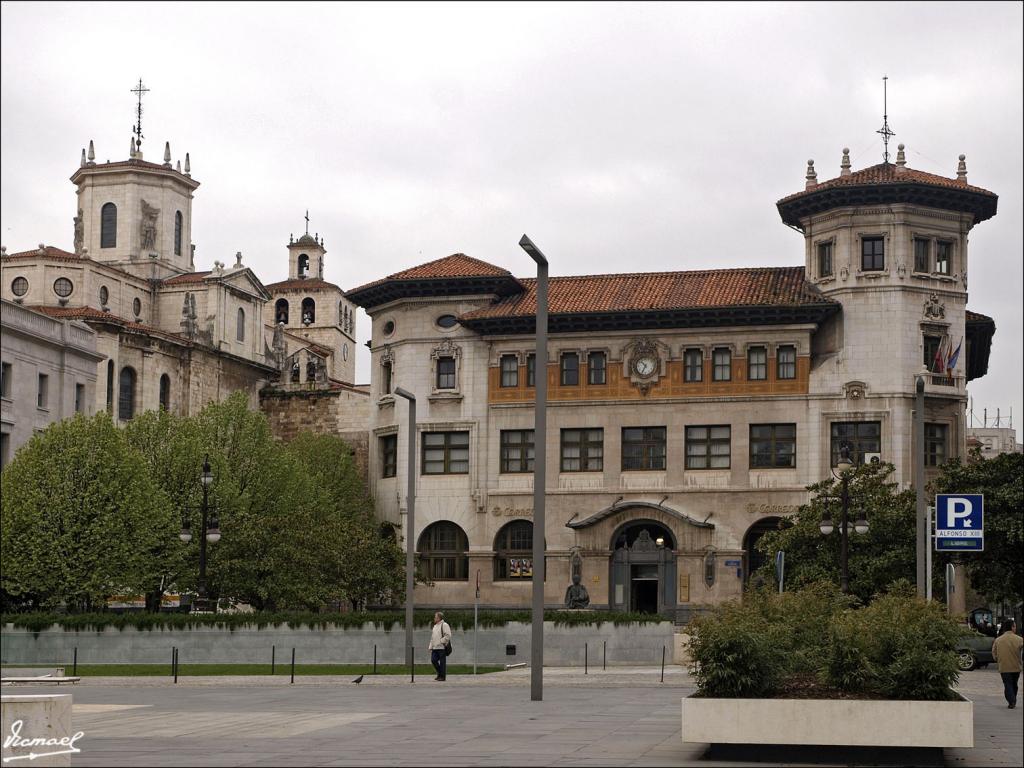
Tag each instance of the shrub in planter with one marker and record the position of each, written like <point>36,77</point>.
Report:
<point>734,654</point>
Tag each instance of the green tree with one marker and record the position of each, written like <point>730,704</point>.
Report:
<point>370,568</point>
<point>81,517</point>
<point>998,572</point>
<point>878,558</point>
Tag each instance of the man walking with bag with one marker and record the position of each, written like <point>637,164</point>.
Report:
<point>1006,651</point>
<point>440,645</point>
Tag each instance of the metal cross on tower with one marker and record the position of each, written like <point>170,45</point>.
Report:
<point>886,133</point>
<point>307,221</point>
<point>139,89</point>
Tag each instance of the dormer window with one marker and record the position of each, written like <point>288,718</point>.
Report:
<point>872,254</point>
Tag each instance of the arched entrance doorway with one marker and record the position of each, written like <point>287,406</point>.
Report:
<point>643,568</point>
<point>753,558</point>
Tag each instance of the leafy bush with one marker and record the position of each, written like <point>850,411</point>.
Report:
<point>386,620</point>
<point>898,647</point>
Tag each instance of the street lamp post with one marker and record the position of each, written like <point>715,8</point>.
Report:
<point>539,467</point>
<point>210,532</point>
<point>410,520</point>
<point>844,465</point>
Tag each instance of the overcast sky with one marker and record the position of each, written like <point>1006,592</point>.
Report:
<point>620,137</point>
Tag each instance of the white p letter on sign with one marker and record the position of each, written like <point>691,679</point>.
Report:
<point>958,509</point>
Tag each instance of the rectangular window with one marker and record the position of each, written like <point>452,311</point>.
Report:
<point>921,247</point>
<point>596,368</point>
<point>570,369</point>
<point>516,450</point>
<point>445,453</point>
<point>5,448</point>
<point>757,364</point>
<point>509,371</point>
<point>722,360</point>
<point>931,350</point>
<point>935,445</point>
<point>446,373</point>
<point>861,437</point>
<point>943,257</point>
<point>708,447</point>
<point>385,377</point>
<point>643,448</point>
<point>5,379</point>
<point>79,398</point>
<point>872,254</point>
<point>825,259</point>
<point>43,391</point>
<point>693,366</point>
<point>388,455</point>
<point>772,446</point>
<point>582,450</point>
<point>531,370</point>
<point>785,362</point>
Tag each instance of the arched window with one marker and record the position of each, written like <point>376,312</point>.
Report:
<point>308,311</point>
<point>240,325</point>
<point>126,394</point>
<point>110,387</point>
<point>165,392</point>
<point>177,233</point>
<point>303,264</point>
<point>343,315</point>
<point>443,549</point>
<point>108,226</point>
<point>513,551</point>
<point>281,311</point>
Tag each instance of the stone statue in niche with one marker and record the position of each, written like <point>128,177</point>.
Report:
<point>149,216</point>
<point>79,232</point>
<point>576,596</point>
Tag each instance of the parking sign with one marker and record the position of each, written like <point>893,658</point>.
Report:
<point>960,522</point>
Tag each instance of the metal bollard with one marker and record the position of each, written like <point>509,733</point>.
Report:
<point>273,653</point>
<point>375,658</point>
<point>586,652</point>
<point>174,664</point>
<point>604,661</point>
<point>293,666</point>
<point>74,665</point>
<point>663,663</point>
<point>412,663</point>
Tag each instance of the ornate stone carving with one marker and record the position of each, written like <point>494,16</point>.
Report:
<point>934,309</point>
<point>901,269</point>
<point>79,232</point>
<point>280,348</point>
<point>644,542</point>
<point>844,273</point>
<point>189,325</point>
<point>149,216</point>
<point>446,348</point>
<point>644,362</point>
<point>855,390</point>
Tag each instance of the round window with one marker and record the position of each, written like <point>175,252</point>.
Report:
<point>447,321</point>
<point>137,307</point>
<point>20,286</point>
<point>63,287</point>
<point>104,295</point>
<point>389,327</point>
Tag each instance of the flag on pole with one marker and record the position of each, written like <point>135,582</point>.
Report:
<point>954,356</point>
<point>939,357</point>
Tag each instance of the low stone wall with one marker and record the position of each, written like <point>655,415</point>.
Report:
<point>509,644</point>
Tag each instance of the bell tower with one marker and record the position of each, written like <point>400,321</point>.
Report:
<point>306,256</point>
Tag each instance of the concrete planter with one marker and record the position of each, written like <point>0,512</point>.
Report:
<point>829,722</point>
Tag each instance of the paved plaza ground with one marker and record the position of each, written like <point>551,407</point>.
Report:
<point>624,716</point>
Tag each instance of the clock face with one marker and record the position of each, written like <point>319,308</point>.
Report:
<point>645,366</point>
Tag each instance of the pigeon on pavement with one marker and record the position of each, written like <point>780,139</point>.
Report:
<point>358,680</point>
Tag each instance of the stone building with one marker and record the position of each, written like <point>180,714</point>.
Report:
<point>688,411</point>
<point>47,373</point>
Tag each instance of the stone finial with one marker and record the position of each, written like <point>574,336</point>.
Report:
<point>167,154</point>
<point>131,148</point>
<point>844,166</point>
<point>961,169</point>
<point>812,176</point>
<point>42,249</point>
<point>238,259</point>
<point>291,238</point>
<point>82,164</point>
<point>188,165</point>
<point>901,158</point>
<point>91,157</point>
<point>3,249</point>
<point>178,167</point>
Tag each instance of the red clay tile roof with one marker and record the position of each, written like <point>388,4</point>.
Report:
<point>456,265</point>
<point>977,317</point>
<point>301,284</point>
<point>188,277</point>
<point>887,173</point>
<point>49,252</point>
<point>654,291</point>
<point>886,183</point>
<point>80,313</point>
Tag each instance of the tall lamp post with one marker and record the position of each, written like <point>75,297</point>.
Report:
<point>210,533</point>
<point>844,465</point>
<point>539,467</point>
<point>410,521</point>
